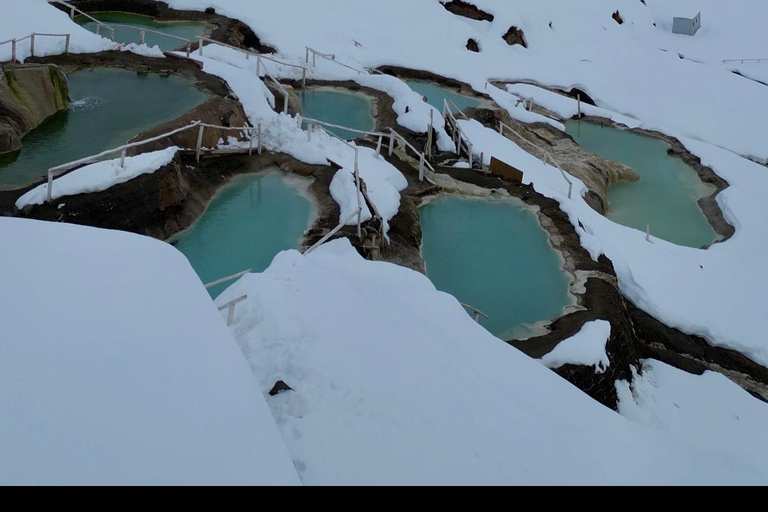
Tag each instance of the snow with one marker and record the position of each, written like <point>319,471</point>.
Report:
<point>143,50</point>
<point>699,410</point>
<point>21,18</point>
<point>395,384</point>
<point>99,176</point>
<point>587,348</point>
<point>116,368</point>
<point>622,66</point>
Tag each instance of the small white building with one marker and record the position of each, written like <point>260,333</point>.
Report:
<point>687,26</point>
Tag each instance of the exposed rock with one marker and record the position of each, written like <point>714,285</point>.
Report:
<point>279,387</point>
<point>515,36</point>
<point>461,8</point>
<point>617,18</point>
<point>29,94</point>
<point>473,46</point>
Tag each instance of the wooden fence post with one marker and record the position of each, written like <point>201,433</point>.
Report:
<point>66,44</point>
<point>50,186</point>
<point>578,99</point>
<point>32,44</point>
<point>259,140</point>
<point>199,142</point>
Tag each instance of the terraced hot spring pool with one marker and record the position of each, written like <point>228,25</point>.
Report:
<point>110,106</point>
<point>437,93</point>
<point>246,225</point>
<point>190,30</point>
<point>352,110</point>
<point>667,194</point>
<point>493,255</point>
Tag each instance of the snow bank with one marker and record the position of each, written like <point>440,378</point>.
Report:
<point>21,18</point>
<point>699,410</point>
<point>587,348</point>
<point>115,368</point>
<point>427,396</point>
<point>99,176</point>
<point>143,50</point>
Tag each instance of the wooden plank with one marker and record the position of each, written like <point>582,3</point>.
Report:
<point>505,170</point>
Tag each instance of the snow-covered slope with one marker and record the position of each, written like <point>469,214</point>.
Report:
<point>395,384</point>
<point>116,368</point>
<point>622,66</point>
<point>707,410</point>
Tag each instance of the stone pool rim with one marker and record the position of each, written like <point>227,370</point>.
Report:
<point>301,184</point>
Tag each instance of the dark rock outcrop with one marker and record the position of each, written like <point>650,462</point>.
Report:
<point>29,94</point>
<point>461,8</point>
<point>515,36</point>
<point>473,46</point>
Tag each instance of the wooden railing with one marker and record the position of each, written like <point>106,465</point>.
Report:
<point>32,37</point>
<point>423,163</point>
<point>546,156</point>
<point>259,65</point>
<point>459,139</point>
<point>59,170</point>
<point>476,313</point>
<point>73,10</point>
<point>742,61</point>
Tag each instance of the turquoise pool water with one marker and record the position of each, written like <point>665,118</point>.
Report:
<point>245,226</point>
<point>667,194</point>
<point>187,29</point>
<point>110,107</point>
<point>436,94</point>
<point>341,108</point>
<point>493,255</point>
